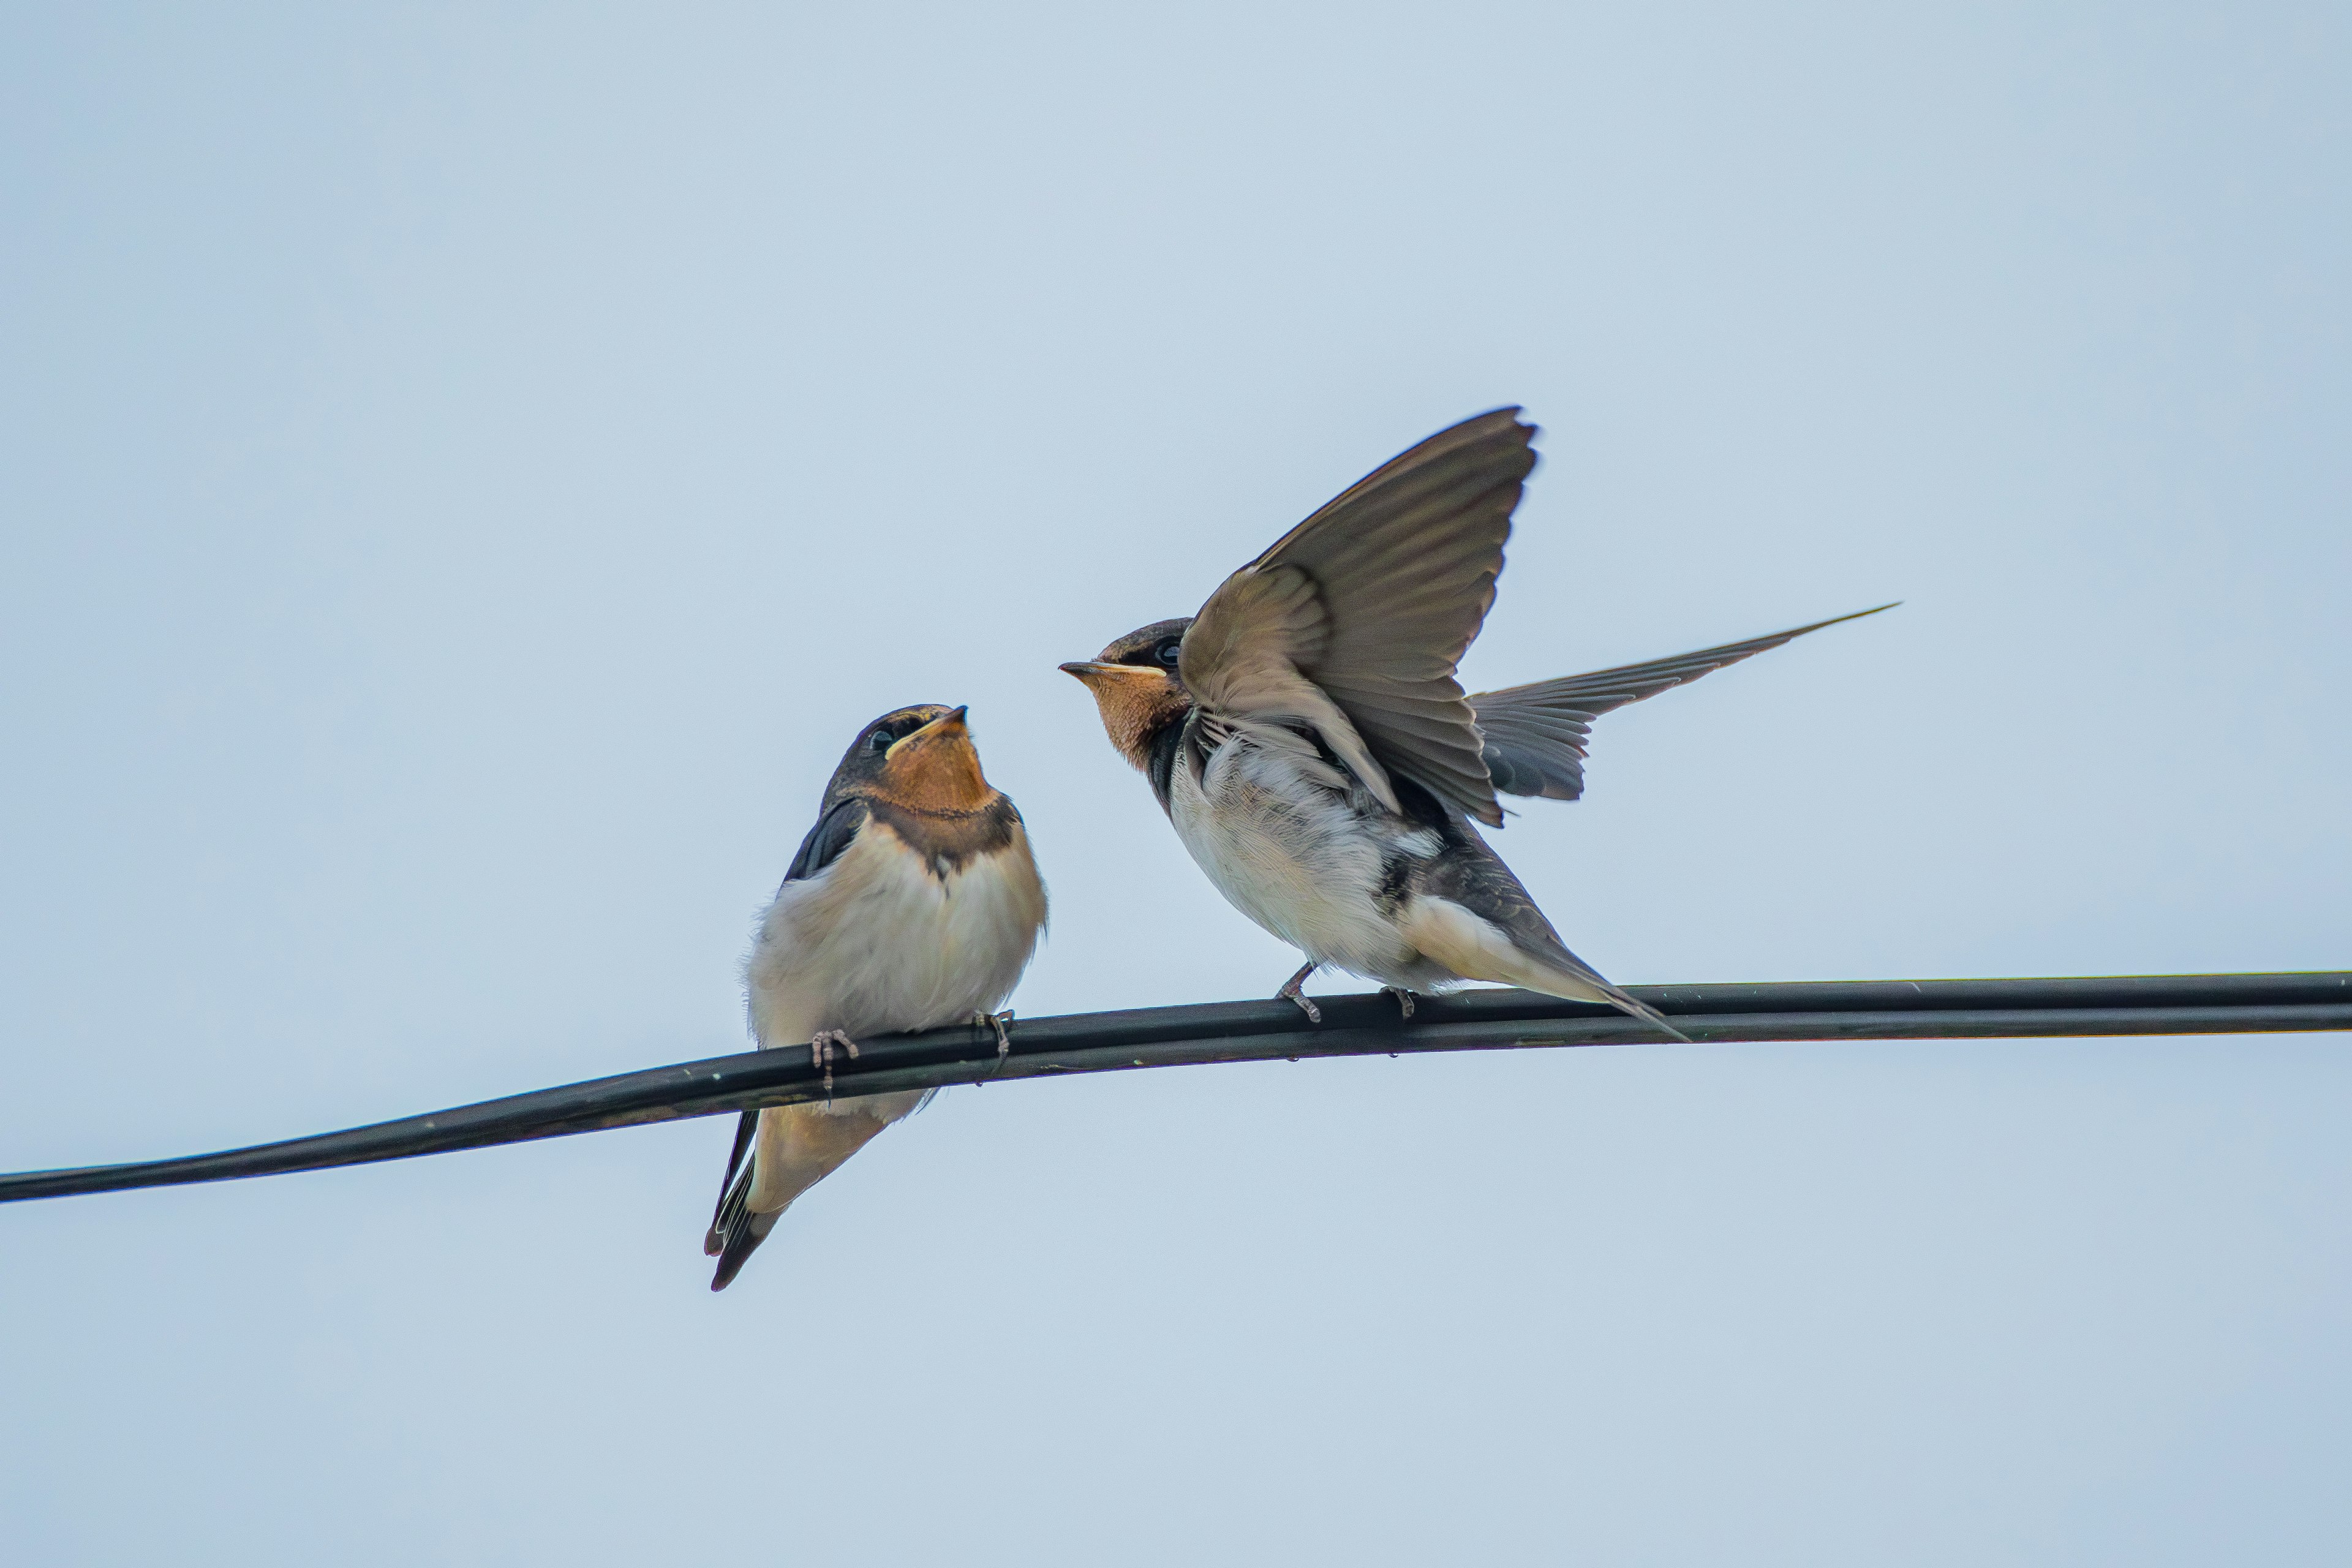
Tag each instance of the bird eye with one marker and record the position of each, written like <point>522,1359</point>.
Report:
<point>882,739</point>
<point>1169,651</point>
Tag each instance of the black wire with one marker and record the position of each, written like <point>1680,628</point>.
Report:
<point>1260,1031</point>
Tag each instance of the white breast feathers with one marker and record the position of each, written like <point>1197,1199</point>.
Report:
<point>1284,838</point>
<point>880,941</point>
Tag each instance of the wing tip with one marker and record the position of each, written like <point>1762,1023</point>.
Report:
<point>1508,420</point>
<point>736,1231</point>
<point>1657,1020</point>
<point>1632,1006</point>
<point>1583,975</point>
<point>743,1240</point>
<point>1874,609</point>
<point>1507,414</point>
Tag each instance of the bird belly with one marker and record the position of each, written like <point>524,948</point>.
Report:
<point>1302,859</point>
<point>881,941</point>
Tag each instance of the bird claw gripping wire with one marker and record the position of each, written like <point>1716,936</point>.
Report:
<point>821,1047</point>
<point>984,1019</point>
<point>1291,992</point>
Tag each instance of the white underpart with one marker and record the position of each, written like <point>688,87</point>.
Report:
<point>875,944</point>
<point>1472,945</point>
<point>1283,838</point>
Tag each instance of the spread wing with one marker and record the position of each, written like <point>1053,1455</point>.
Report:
<point>1353,621</point>
<point>1535,736</point>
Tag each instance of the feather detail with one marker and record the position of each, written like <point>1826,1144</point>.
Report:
<point>1477,949</point>
<point>1534,736</point>
<point>1353,621</point>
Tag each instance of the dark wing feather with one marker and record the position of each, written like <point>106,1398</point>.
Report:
<point>738,1229</point>
<point>1535,736</point>
<point>1355,619</point>
<point>833,832</point>
<point>746,1125</point>
<point>1469,873</point>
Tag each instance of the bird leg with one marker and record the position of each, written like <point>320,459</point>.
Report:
<point>1403,998</point>
<point>982,1018</point>
<point>821,1046</point>
<point>1290,992</point>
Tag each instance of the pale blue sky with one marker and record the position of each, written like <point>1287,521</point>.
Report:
<point>467,472</point>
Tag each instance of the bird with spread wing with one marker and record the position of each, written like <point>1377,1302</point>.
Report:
<point>1307,737</point>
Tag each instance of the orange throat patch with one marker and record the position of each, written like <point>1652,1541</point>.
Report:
<point>1134,703</point>
<point>937,773</point>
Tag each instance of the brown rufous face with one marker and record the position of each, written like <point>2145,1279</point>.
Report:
<point>921,758</point>
<point>1136,687</point>
<point>935,769</point>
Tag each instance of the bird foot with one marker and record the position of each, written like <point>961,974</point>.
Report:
<point>821,1048</point>
<point>1291,992</point>
<point>1403,998</point>
<point>982,1018</point>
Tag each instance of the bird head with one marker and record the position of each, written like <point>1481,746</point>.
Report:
<point>921,758</point>
<point>1136,687</point>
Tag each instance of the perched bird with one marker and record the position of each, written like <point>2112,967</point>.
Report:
<point>1307,736</point>
<point>913,903</point>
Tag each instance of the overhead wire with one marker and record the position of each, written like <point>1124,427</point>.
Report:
<point>1482,1020</point>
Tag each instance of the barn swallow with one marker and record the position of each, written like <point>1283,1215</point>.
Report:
<point>1307,736</point>
<point>913,903</point>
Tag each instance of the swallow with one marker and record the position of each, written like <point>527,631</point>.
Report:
<point>914,902</point>
<point>1307,738</point>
